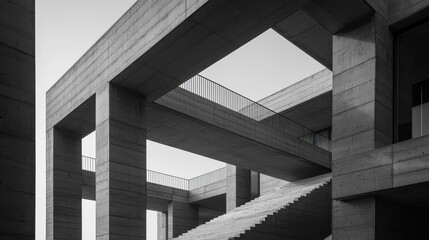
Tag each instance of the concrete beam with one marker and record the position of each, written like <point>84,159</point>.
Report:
<point>121,164</point>
<point>281,135</point>
<point>403,13</point>
<point>401,164</point>
<point>207,191</point>
<point>309,35</point>
<point>308,102</point>
<point>154,47</point>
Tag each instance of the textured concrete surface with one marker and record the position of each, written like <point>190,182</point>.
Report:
<point>158,196</point>
<point>362,113</point>
<point>238,187</point>
<point>152,55</point>
<point>17,120</point>
<point>162,226</point>
<point>64,185</point>
<point>182,217</point>
<point>207,191</point>
<point>308,102</point>
<point>287,200</point>
<point>269,184</point>
<point>121,164</point>
<point>309,35</point>
<point>282,138</point>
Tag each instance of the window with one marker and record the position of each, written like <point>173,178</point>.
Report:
<point>412,83</point>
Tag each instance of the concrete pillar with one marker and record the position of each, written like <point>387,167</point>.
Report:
<point>121,164</point>
<point>64,185</point>
<point>162,226</point>
<point>181,218</point>
<point>362,114</point>
<point>17,120</point>
<point>238,186</point>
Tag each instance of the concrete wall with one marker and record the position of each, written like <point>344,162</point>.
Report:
<point>181,218</point>
<point>269,184</point>
<point>17,120</point>
<point>362,113</point>
<point>238,186</point>
<point>365,164</point>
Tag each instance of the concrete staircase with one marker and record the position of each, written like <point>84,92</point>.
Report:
<point>299,210</point>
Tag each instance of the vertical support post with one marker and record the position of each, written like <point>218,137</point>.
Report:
<point>162,225</point>
<point>238,187</point>
<point>121,164</point>
<point>362,115</point>
<point>181,218</point>
<point>64,185</point>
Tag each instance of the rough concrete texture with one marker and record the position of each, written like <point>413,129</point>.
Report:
<point>282,136</point>
<point>269,184</point>
<point>121,164</point>
<point>64,185</point>
<point>237,222</point>
<point>362,110</point>
<point>162,226</point>
<point>17,120</point>
<point>182,217</point>
<point>238,187</point>
<point>308,102</point>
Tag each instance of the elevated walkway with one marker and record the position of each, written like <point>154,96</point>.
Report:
<point>207,190</point>
<point>205,118</point>
<point>301,209</point>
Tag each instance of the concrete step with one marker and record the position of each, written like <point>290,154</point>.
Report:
<point>260,216</point>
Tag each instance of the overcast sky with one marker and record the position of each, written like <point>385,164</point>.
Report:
<point>65,29</point>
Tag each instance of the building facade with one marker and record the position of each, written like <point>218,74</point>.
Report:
<point>341,154</point>
<point>17,120</point>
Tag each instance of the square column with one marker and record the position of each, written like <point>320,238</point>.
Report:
<point>64,185</point>
<point>362,120</point>
<point>121,164</point>
<point>181,217</point>
<point>238,186</point>
<point>162,225</point>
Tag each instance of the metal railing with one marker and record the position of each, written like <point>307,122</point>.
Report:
<point>88,164</point>
<point>167,180</point>
<point>209,90</point>
<point>208,178</point>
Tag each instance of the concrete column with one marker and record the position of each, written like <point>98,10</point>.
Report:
<point>162,225</point>
<point>17,120</point>
<point>64,185</point>
<point>121,164</point>
<point>362,116</point>
<point>181,218</point>
<point>238,186</point>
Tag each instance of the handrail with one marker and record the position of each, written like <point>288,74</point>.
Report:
<point>88,164</point>
<point>167,180</point>
<point>214,92</point>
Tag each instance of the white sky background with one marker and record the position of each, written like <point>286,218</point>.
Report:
<point>66,29</point>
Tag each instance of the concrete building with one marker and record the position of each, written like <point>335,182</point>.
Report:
<point>352,140</point>
<point>17,120</point>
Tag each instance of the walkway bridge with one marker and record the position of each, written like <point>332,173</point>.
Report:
<point>205,118</point>
<point>204,190</point>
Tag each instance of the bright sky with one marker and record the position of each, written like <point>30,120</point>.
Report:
<point>66,29</point>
